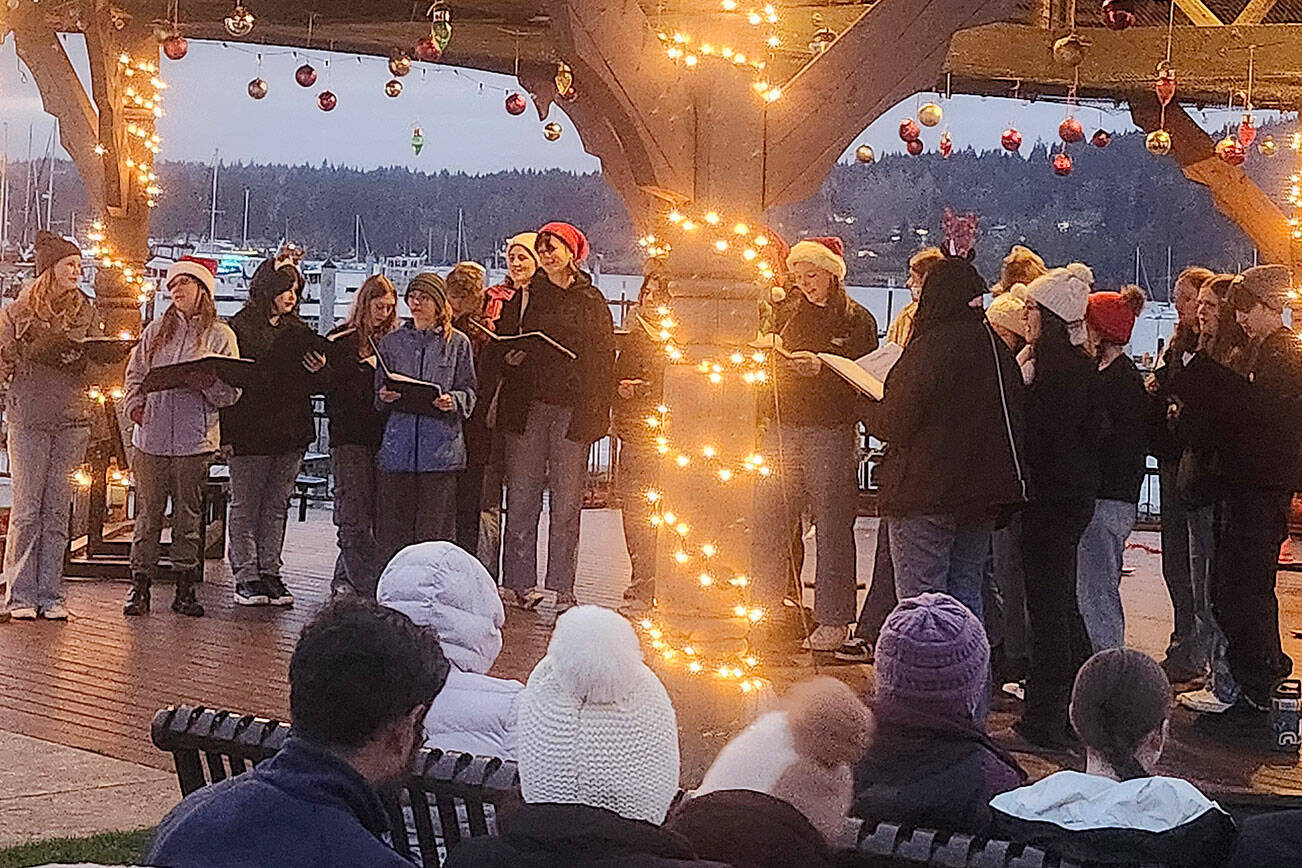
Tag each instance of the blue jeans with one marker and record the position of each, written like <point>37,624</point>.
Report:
<point>1207,645</point>
<point>937,553</point>
<point>358,563</point>
<point>543,457</point>
<point>819,470</point>
<point>41,461</point>
<point>1098,573</point>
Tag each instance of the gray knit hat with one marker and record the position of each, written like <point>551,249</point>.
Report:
<point>431,284</point>
<point>933,656</point>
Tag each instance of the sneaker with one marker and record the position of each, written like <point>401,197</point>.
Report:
<point>854,650</point>
<point>565,602</point>
<point>526,602</point>
<point>23,613</point>
<point>826,638</point>
<point>251,594</point>
<point>1015,689</point>
<point>1181,673</point>
<point>1204,702</point>
<point>57,612</point>
<point>277,593</point>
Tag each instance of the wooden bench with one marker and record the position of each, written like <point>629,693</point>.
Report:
<point>452,795</point>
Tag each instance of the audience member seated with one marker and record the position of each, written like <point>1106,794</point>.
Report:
<point>439,585</point>
<point>1269,839</point>
<point>798,756</point>
<point>1117,812</point>
<point>597,740</point>
<point>361,680</point>
<point>930,762</point>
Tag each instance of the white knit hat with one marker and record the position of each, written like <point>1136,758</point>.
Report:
<point>1007,310</point>
<point>595,725</point>
<point>527,240</point>
<point>802,753</point>
<point>1065,292</point>
<point>194,269</point>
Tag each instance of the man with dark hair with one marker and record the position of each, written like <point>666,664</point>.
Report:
<point>361,681</point>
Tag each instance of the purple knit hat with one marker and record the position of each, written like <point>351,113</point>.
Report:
<point>933,656</point>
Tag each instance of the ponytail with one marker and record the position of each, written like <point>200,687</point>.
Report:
<point>1121,697</point>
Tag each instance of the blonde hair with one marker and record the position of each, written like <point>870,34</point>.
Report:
<point>924,260</point>
<point>372,288</point>
<point>1021,265</point>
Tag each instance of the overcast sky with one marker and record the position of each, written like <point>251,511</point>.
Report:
<point>460,111</point>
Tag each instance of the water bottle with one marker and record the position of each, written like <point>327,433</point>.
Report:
<point>1284,704</point>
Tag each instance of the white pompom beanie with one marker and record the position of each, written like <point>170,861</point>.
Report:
<point>1065,291</point>
<point>595,725</point>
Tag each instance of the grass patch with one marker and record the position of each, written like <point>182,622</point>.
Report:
<point>109,848</point>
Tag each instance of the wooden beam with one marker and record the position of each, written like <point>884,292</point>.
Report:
<point>1233,192</point>
<point>1198,13</point>
<point>895,49</point>
<point>1254,13</point>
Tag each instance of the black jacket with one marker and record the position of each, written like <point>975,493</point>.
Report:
<point>1127,429</point>
<point>951,412</point>
<point>1064,418</point>
<point>1273,839</point>
<point>579,319</point>
<point>1207,393</point>
<point>574,836</point>
<point>274,413</point>
<point>750,830</point>
<point>1262,425</point>
<point>1167,444</point>
<point>824,399</point>
<point>349,386</point>
<point>640,358</point>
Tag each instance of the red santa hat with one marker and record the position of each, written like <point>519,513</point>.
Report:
<point>827,253</point>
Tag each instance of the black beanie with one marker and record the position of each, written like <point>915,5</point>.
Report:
<point>50,248</point>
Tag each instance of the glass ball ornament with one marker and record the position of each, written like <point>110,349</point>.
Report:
<point>427,51</point>
<point>1267,147</point>
<point>821,40</point>
<point>175,46</point>
<point>305,75</point>
<point>913,146</point>
<point>1070,50</point>
<point>1230,151</point>
<point>552,131</point>
<point>1010,139</point>
<point>946,144</point>
<point>1164,87</point>
<point>399,62</point>
<point>393,88</point>
<point>930,114</point>
<point>1118,14</point>
<point>516,104</point>
<point>1158,142</point>
<point>326,101</point>
<point>1101,138</point>
<point>864,154</point>
<point>257,88</point>
<point>240,22</point>
<point>909,130</point>
<point>1062,164</point>
<point>564,78</point>
<point>1071,131</point>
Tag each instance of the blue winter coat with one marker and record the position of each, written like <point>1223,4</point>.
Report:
<point>426,444</point>
<point>303,808</point>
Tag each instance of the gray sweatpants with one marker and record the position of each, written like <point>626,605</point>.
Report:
<point>260,490</point>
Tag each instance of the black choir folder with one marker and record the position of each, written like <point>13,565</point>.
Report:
<point>55,349</point>
<point>524,340</point>
<point>196,373</point>
<point>418,396</point>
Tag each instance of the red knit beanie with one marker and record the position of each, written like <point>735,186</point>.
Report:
<point>1112,314</point>
<point>570,237</point>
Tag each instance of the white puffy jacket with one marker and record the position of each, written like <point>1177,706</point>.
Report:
<point>439,585</point>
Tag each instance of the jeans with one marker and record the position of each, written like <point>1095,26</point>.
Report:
<point>1010,579</point>
<point>938,553</point>
<point>1098,573</point>
<point>1207,646</point>
<point>1252,526</point>
<point>469,502</point>
<point>358,563</point>
<point>41,462</point>
<point>1051,531</point>
<point>181,477</point>
<point>260,490</point>
<point>489,548</point>
<point>819,468</point>
<point>639,470</point>
<point>413,508</point>
<point>543,457</point>
<point>1176,563</point>
<point>881,599</point>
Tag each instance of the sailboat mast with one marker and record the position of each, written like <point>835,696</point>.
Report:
<point>49,194</point>
<point>27,189</point>
<point>244,241</point>
<point>212,212</point>
<point>4,192</point>
<point>460,237</point>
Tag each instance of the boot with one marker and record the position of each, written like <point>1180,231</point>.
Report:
<point>185,603</point>
<point>138,600</point>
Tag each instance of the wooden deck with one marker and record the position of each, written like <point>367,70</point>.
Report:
<point>95,682</point>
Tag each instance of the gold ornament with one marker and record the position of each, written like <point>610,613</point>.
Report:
<point>1267,147</point>
<point>393,88</point>
<point>930,114</point>
<point>864,154</point>
<point>552,131</point>
<point>1158,142</point>
<point>564,78</point>
<point>240,22</point>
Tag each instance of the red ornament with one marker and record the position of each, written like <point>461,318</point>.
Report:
<point>946,144</point>
<point>1247,131</point>
<point>326,101</point>
<point>1011,139</point>
<point>1062,164</point>
<point>1118,14</point>
<point>1071,131</point>
<point>1101,138</point>
<point>914,146</point>
<point>305,75</point>
<point>175,46</point>
<point>1230,151</point>
<point>909,130</point>
<point>515,104</point>
<point>1164,87</point>
<point>427,50</point>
